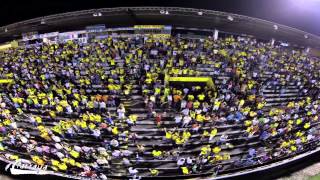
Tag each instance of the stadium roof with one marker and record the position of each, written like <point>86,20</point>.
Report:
<point>181,17</point>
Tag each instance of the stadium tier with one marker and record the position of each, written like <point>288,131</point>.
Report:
<point>155,104</point>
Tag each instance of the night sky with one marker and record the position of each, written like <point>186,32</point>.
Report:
<point>301,14</point>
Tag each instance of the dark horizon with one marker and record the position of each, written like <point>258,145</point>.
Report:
<point>294,13</point>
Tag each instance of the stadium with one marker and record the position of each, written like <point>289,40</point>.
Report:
<point>156,93</point>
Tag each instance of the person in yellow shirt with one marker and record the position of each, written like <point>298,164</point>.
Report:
<point>299,121</point>
<point>57,129</point>
<point>90,105</point>
<point>199,118</point>
<point>185,170</point>
<point>205,150</point>
<point>179,141</point>
<point>168,134</point>
<point>306,125</point>
<point>154,172</point>
<point>74,154</point>
<point>190,97</point>
<point>62,166</point>
<point>261,105</point>
<point>216,150</point>
<point>59,109</point>
<point>247,123</point>
<point>85,117</point>
<point>75,103</point>
<point>83,125</point>
<point>293,148</point>
<point>216,105</point>
<point>201,97</point>
<point>92,126</point>
<point>192,114</point>
<point>115,130</point>
<point>186,135</point>
<point>226,156</point>
<point>213,133</point>
<point>55,163</point>
<point>218,157</point>
<point>196,104</point>
<point>91,117</point>
<point>38,119</point>
<point>156,154</point>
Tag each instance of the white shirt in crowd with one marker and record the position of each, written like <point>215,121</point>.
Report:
<point>56,138</point>
<point>183,104</point>
<point>186,120</point>
<point>102,105</point>
<point>96,133</point>
<point>121,112</point>
<point>178,119</point>
<point>181,161</point>
<point>116,153</point>
<point>114,143</point>
<point>185,111</point>
<point>126,153</point>
<point>132,171</point>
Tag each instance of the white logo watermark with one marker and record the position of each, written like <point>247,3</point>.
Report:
<point>21,166</point>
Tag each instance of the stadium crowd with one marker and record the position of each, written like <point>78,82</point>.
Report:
<point>67,106</point>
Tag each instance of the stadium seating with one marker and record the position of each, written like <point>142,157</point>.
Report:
<point>104,109</point>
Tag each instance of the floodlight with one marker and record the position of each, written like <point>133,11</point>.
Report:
<point>164,12</point>
<point>230,18</point>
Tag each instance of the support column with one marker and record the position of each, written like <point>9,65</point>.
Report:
<point>216,34</point>
<point>308,50</point>
<point>272,42</point>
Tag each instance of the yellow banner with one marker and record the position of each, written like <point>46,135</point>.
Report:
<point>6,81</point>
<point>161,35</point>
<point>5,46</point>
<point>148,26</point>
<point>207,80</point>
<point>12,44</point>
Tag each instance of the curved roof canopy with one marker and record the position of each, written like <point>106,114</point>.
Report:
<point>182,17</point>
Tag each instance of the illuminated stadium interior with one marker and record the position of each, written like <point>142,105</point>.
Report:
<point>182,93</point>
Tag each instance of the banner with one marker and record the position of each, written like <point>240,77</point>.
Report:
<point>6,81</point>
<point>148,27</point>
<point>207,80</point>
<point>96,28</point>
<point>12,44</point>
<point>30,36</point>
<point>5,47</point>
<point>49,35</point>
